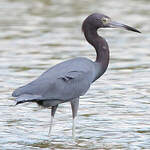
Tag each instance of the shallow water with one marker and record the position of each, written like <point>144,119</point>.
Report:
<point>114,114</point>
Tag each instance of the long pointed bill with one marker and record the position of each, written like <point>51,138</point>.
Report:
<point>113,24</point>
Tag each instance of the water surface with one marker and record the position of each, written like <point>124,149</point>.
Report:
<point>114,114</point>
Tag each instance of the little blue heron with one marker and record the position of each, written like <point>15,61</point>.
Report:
<point>67,81</point>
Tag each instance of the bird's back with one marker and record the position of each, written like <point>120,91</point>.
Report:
<point>64,81</point>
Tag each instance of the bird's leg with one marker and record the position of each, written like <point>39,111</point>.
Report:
<point>74,106</point>
<point>53,110</point>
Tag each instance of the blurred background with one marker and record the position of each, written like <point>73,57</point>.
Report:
<point>114,114</point>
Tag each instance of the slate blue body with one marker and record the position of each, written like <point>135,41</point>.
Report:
<point>62,82</point>
<point>71,79</point>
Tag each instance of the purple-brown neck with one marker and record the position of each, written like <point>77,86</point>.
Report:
<point>101,47</point>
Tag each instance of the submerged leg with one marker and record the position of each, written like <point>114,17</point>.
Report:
<point>53,110</point>
<point>74,106</point>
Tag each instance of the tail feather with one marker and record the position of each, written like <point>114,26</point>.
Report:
<point>27,98</point>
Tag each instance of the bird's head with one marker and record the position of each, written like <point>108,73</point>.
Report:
<point>97,20</point>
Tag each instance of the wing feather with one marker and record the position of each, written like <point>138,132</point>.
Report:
<point>71,85</point>
<point>64,81</point>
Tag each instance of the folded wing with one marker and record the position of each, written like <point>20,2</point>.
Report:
<point>62,85</point>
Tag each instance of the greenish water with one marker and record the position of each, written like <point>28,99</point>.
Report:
<point>114,114</point>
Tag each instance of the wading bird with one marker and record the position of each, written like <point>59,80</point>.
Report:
<point>67,81</point>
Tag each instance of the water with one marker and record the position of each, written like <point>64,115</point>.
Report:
<point>114,114</point>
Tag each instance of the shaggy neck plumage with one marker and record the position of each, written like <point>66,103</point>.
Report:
<point>100,45</point>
